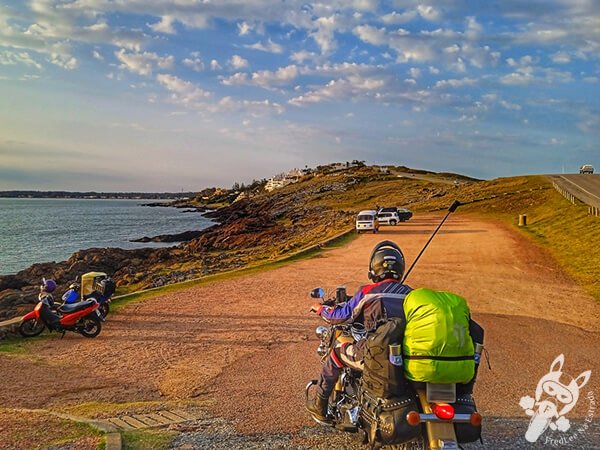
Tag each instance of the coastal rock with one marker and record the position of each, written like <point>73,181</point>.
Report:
<point>179,237</point>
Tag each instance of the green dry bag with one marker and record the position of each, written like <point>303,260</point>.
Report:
<point>437,345</point>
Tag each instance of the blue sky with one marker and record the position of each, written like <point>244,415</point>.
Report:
<point>162,96</point>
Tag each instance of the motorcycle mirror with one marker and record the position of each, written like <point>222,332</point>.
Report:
<point>454,206</point>
<point>317,293</point>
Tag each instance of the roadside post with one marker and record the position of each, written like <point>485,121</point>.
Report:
<point>522,220</point>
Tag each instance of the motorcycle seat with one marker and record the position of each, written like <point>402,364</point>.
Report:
<point>72,307</point>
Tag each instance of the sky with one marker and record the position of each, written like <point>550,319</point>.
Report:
<point>147,95</point>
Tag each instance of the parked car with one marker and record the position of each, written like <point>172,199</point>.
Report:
<point>586,168</point>
<point>403,213</point>
<point>367,221</point>
<point>388,218</point>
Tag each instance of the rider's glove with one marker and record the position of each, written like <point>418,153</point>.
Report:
<point>316,308</point>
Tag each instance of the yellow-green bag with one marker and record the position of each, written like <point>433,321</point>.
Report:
<point>437,345</point>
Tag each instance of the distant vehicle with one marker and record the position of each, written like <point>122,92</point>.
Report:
<point>388,218</point>
<point>586,168</point>
<point>403,213</point>
<point>367,221</point>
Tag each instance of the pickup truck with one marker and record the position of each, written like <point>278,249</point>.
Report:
<point>586,168</point>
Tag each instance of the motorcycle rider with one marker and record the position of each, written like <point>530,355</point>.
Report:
<point>382,299</point>
<point>47,312</point>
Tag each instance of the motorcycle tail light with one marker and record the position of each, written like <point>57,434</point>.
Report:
<point>443,411</point>
<point>476,419</point>
<point>413,418</point>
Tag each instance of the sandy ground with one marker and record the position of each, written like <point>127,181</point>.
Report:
<point>248,342</point>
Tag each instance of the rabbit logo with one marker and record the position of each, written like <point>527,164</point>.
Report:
<point>553,400</point>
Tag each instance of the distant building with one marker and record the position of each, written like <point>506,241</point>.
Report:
<point>283,179</point>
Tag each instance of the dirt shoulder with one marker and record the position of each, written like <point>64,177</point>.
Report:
<point>248,343</point>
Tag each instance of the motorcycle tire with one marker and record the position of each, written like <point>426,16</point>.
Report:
<point>31,327</point>
<point>104,309</point>
<point>90,326</point>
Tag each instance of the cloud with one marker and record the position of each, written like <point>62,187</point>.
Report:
<point>269,47</point>
<point>65,61</point>
<point>214,65</point>
<point>164,26</point>
<point>143,63</point>
<point>510,106</point>
<point>255,107</point>
<point>429,13</point>
<point>194,62</point>
<point>455,83</point>
<point>183,92</point>
<point>302,55</point>
<point>244,28</point>
<point>560,58</point>
<point>96,54</point>
<point>264,78</point>
<point>237,79</point>
<point>371,35</point>
<point>8,57</point>
<point>338,90</point>
<point>395,18</point>
<point>415,72</point>
<point>237,62</point>
<point>473,30</point>
<point>526,72</point>
<point>324,34</point>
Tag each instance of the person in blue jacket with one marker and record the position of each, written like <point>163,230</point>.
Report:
<point>371,305</point>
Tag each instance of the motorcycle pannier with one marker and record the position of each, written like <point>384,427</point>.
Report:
<point>465,432</point>
<point>385,422</point>
<point>380,377</point>
<point>437,345</point>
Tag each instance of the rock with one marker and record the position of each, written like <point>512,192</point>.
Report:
<point>179,237</point>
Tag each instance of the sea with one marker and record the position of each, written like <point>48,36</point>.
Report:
<point>44,230</point>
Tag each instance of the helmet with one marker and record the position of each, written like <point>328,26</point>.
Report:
<point>48,285</point>
<point>387,261</point>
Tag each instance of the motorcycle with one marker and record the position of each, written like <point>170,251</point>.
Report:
<point>94,285</point>
<point>434,421</point>
<point>82,317</point>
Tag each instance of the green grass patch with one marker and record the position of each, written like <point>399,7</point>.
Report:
<point>103,410</point>
<point>17,345</point>
<point>147,440</point>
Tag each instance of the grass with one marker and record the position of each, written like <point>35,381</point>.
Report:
<point>147,440</point>
<point>103,410</point>
<point>17,345</point>
<point>36,430</point>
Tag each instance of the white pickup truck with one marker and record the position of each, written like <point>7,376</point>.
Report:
<point>586,168</point>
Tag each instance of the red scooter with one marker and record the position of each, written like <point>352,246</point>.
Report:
<point>82,317</point>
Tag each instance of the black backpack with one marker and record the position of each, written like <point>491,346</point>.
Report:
<point>384,398</point>
<point>380,377</point>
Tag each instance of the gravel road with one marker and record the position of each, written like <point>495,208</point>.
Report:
<point>247,344</point>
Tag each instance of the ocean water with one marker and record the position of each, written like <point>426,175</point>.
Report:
<point>43,230</point>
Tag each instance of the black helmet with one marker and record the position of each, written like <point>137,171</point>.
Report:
<point>387,261</point>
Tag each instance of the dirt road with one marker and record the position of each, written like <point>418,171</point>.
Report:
<point>248,345</point>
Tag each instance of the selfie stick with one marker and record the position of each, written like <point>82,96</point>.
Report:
<point>452,208</point>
